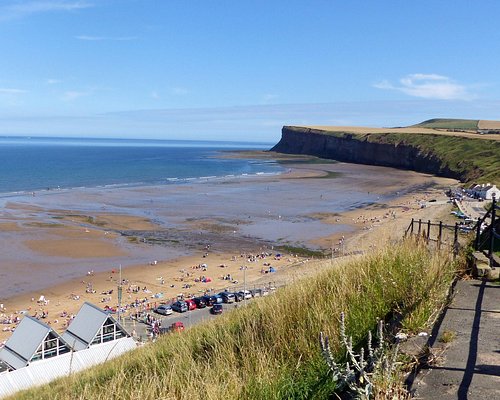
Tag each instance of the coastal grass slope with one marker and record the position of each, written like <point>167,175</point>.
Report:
<point>269,348</point>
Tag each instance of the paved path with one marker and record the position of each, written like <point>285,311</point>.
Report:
<point>469,368</point>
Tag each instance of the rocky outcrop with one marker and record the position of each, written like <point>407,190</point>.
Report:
<point>372,149</point>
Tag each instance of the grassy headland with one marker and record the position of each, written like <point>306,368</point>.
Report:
<point>450,124</point>
<point>269,349</point>
<point>464,155</point>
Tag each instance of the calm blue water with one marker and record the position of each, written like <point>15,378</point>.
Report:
<point>29,164</point>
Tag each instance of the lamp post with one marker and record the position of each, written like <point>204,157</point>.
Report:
<point>120,294</point>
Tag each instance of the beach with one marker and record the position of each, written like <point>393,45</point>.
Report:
<point>70,245</point>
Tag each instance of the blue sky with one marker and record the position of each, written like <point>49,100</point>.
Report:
<point>240,70</point>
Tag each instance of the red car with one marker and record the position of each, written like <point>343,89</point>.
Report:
<point>191,304</point>
<point>177,327</point>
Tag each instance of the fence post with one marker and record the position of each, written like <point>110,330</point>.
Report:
<point>419,226</point>
<point>412,222</point>
<point>478,233</point>
<point>492,233</point>
<point>455,241</point>
<point>428,230</point>
<point>440,234</point>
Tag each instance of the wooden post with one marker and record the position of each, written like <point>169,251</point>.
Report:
<point>455,241</point>
<point>440,234</point>
<point>478,233</point>
<point>428,230</point>
<point>492,226</point>
<point>419,226</point>
<point>412,222</point>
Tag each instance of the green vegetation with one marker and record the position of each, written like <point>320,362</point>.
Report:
<point>448,336</point>
<point>44,225</point>
<point>471,159</point>
<point>95,221</point>
<point>269,349</point>
<point>451,124</point>
<point>301,251</point>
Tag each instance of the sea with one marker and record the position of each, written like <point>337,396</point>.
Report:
<point>29,164</point>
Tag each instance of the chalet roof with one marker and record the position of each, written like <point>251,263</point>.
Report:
<point>86,325</point>
<point>25,341</point>
<point>3,367</point>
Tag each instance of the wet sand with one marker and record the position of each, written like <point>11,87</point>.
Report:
<point>51,241</point>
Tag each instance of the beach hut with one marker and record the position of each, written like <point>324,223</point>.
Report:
<point>32,341</point>
<point>92,326</point>
<point>93,332</point>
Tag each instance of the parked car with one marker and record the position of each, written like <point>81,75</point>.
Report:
<point>177,327</point>
<point>217,309</point>
<point>163,309</point>
<point>227,297</point>
<point>219,299</point>
<point>200,302</point>
<point>180,306</point>
<point>191,304</point>
<point>174,327</point>
<point>246,294</point>
<point>256,292</point>
<point>238,296</point>
<point>210,300</point>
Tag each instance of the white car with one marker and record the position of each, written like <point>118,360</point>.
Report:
<point>163,309</point>
<point>246,294</point>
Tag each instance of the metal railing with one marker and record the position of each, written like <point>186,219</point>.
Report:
<point>439,233</point>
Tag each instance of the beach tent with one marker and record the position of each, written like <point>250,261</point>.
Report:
<point>92,326</point>
<point>271,269</point>
<point>32,341</point>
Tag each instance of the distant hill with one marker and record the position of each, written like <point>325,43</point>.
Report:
<point>451,124</point>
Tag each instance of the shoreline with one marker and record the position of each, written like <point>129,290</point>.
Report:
<point>183,268</point>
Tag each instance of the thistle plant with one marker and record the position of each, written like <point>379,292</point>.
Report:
<point>361,372</point>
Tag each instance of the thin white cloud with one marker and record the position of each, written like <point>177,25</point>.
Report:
<point>428,86</point>
<point>51,81</point>
<point>155,95</point>
<point>73,95</point>
<point>105,38</point>
<point>269,97</point>
<point>16,9</point>
<point>179,91</point>
<point>11,91</point>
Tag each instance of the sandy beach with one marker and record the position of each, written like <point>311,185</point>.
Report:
<point>67,246</point>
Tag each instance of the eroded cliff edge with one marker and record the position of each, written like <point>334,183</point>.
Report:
<point>434,154</point>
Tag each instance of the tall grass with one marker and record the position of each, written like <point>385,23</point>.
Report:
<point>269,348</point>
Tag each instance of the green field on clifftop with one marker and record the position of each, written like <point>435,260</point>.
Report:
<point>450,123</point>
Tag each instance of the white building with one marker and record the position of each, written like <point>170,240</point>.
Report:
<point>486,191</point>
<point>35,354</point>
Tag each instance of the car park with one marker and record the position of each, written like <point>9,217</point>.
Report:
<point>191,304</point>
<point>163,309</point>
<point>180,306</point>
<point>217,309</point>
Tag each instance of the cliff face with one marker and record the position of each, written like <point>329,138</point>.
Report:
<point>360,149</point>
